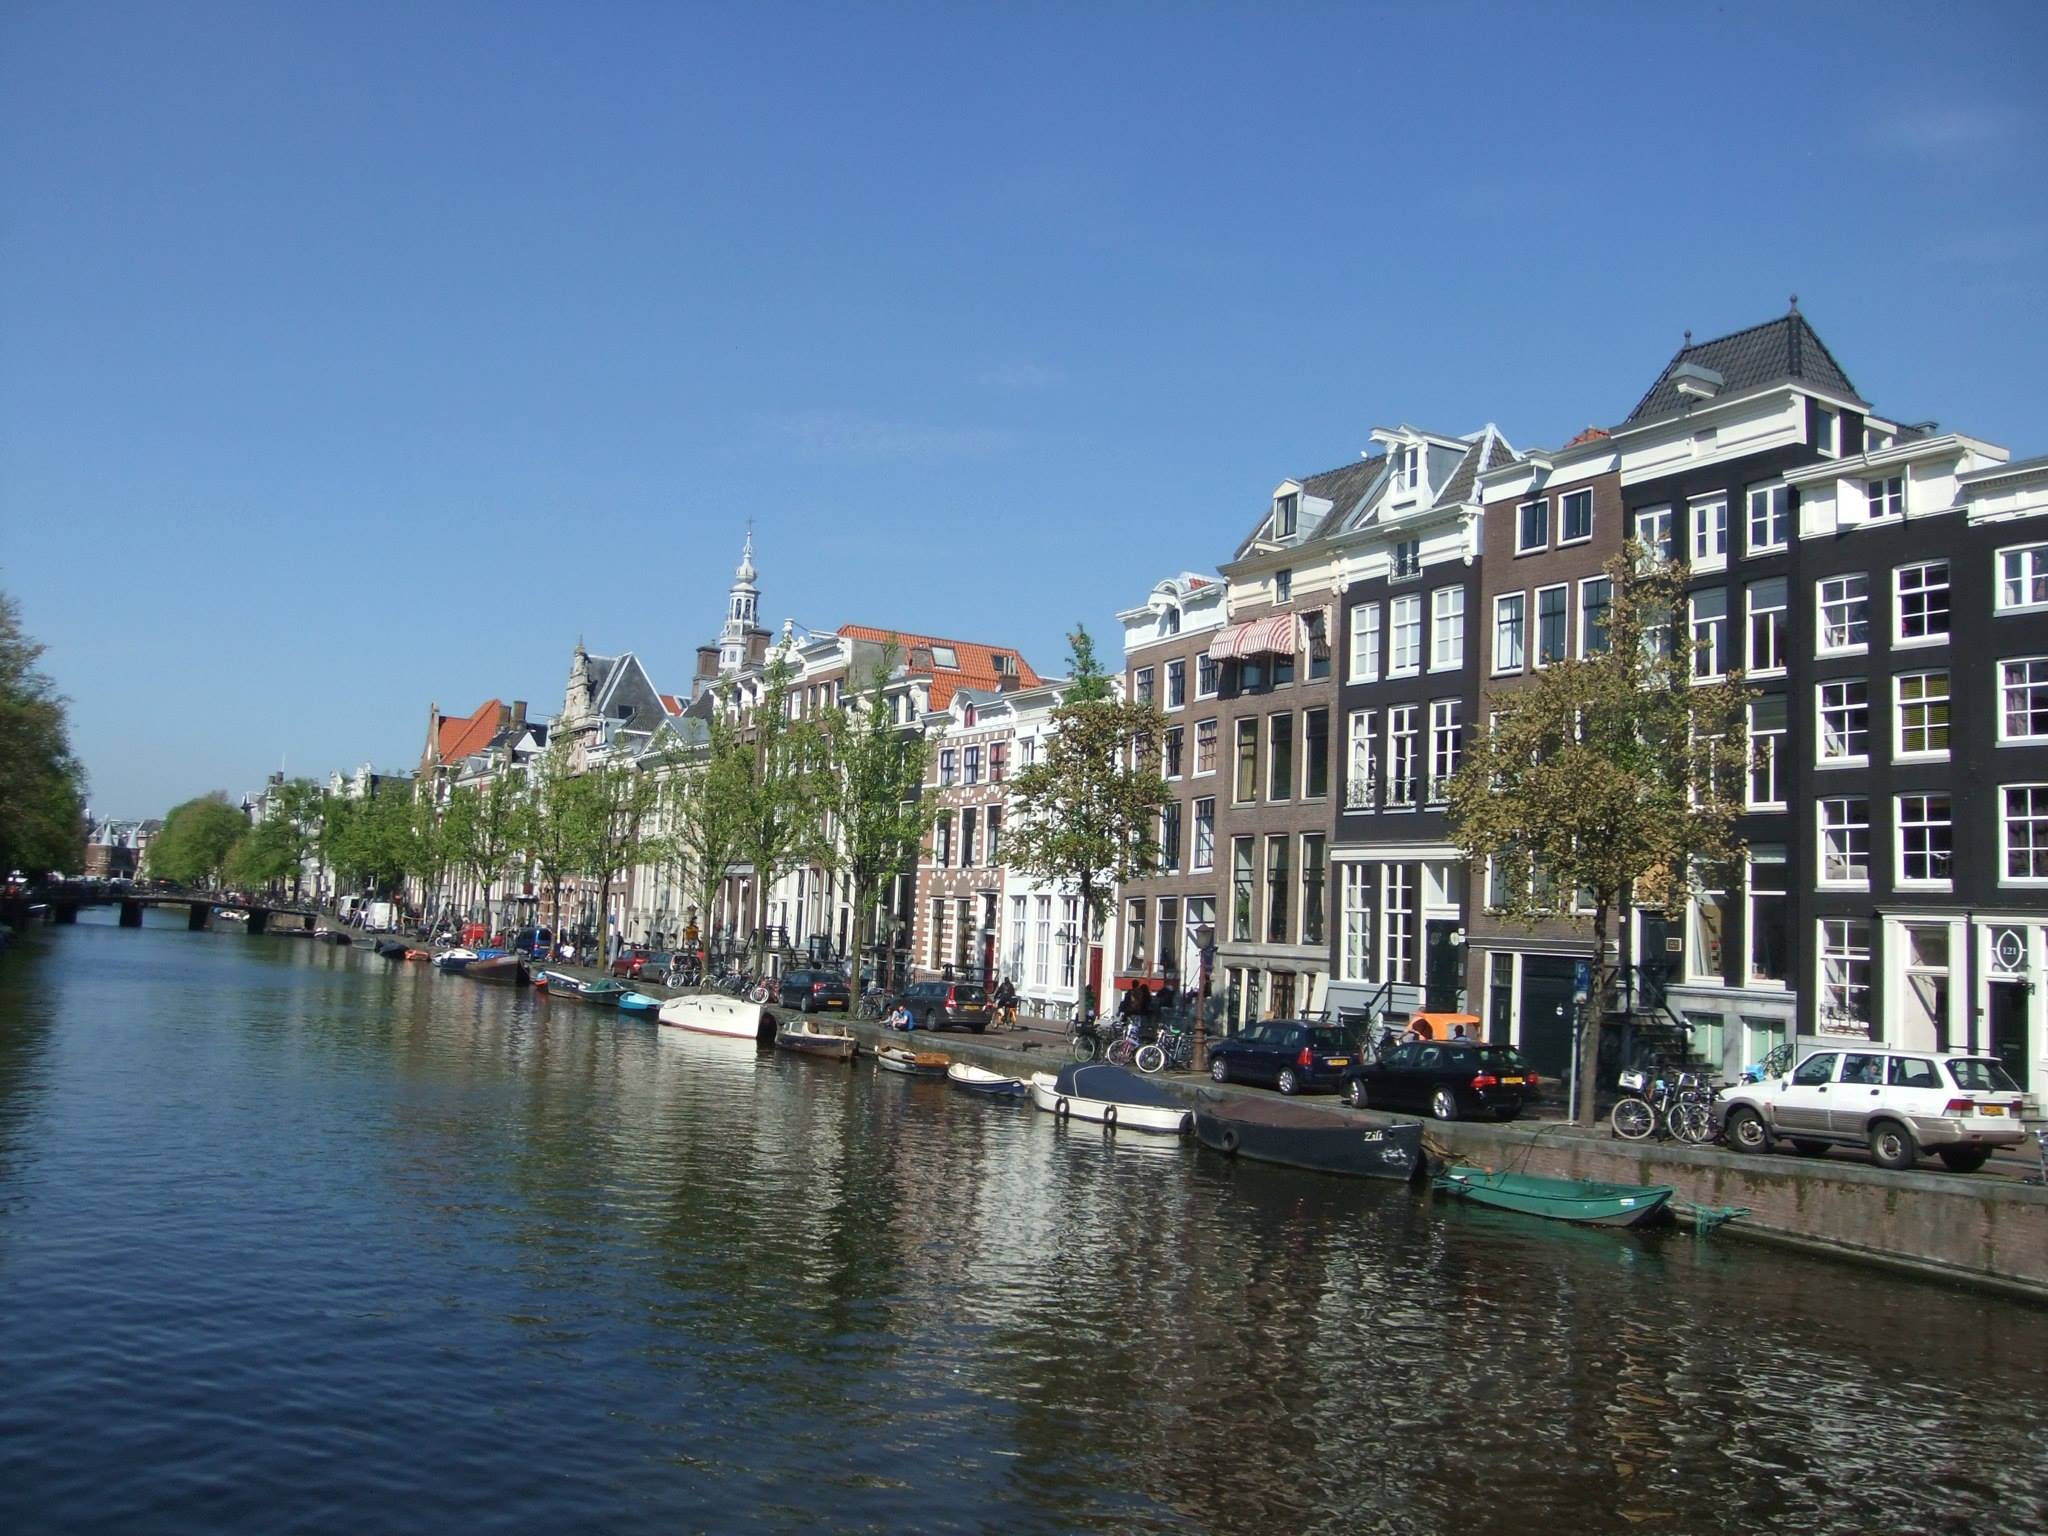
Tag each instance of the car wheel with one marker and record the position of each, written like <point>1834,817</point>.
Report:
<point>931,1021</point>
<point>1747,1132</point>
<point>1963,1159</point>
<point>1354,1093</point>
<point>1891,1145</point>
<point>1810,1148</point>
<point>1219,1070</point>
<point>1288,1081</point>
<point>1443,1104</point>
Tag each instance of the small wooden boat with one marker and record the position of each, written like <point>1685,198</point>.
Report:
<point>1580,1200</point>
<point>711,1013</point>
<point>562,984</point>
<point>978,1080</point>
<point>639,1003</point>
<point>1279,1131</point>
<point>454,959</point>
<point>1113,1097</point>
<point>811,1038</point>
<point>894,1058</point>
<point>508,969</point>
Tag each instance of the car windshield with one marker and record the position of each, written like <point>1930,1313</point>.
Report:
<point>1980,1074</point>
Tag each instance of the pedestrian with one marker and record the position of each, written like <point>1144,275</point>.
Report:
<point>1458,1032</point>
<point>1006,1001</point>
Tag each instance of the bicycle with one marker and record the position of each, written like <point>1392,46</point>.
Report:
<point>1123,1050</point>
<point>876,1003</point>
<point>1173,1048</point>
<point>1681,1108</point>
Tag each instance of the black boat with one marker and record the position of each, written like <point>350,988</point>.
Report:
<point>392,949</point>
<point>509,969</point>
<point>1277,1131</point>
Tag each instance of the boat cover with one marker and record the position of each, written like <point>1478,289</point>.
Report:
<point>1115,1085</point>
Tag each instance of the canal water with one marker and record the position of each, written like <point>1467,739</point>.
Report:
<point>295,1239</point>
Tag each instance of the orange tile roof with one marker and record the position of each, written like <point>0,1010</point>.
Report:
<point>977,667</point>
<point>671,703</point>
<point>462,735</point>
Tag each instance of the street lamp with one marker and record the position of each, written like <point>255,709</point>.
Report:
<point>1204,935</point>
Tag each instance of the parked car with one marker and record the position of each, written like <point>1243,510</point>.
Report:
<point>944,1004</point>
<point>1447,1079</point>
<point>813,991</point>
<point>1293,1055</point>
<point>1900,1104</point>
<point>632,962</point>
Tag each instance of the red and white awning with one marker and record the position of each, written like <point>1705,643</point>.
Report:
<point>1277,634</point>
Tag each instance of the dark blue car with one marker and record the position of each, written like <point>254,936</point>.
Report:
<point>1293,1055</point>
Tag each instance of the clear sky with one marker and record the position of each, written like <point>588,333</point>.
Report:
<point>354,357</point>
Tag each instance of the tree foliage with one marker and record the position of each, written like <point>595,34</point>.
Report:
<point>873,771</point>
<point>368,843</point>
<point>197,837</point>
<point>557,809</point>
<point>782,824</point>
<point>483,825</point>
<point>704,815</point>
<point>1609,781</point>
<point>616,799</point>
<point>1086,813</point>
<point>42,786</point>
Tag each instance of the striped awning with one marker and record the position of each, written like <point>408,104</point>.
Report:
<point>1277,634</point>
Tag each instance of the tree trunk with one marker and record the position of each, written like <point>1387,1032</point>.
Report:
<point>1593,1014</point>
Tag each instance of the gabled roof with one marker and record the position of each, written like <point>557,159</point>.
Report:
<point>977,662</point>
<point>1343,487</point>
<point>464,734</point>
<point>1779,351</point>
<point>1489,450</point>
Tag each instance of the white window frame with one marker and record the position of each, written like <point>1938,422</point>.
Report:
<point>1847,956</point>
<point>1176,672</point>
<point>2029,684</point>
<point>1900,751</point>
<point>1404,742</point>
<point>1900,639</point>
<point>1520,602</point>
<point>1361,751</point>
<point>1827,431</point>
<point>1446,746</point>
<point>1879,500</point>
<point>2033,573</point>
<point>1822,646</point>
<point>1356,950</point>
<point>1899,826</point>
<point>1782,631</point>
<point>1585,630</point>
<point>1820,724</point>
<point>1821,878</point>
<point>1707,554</point>
<point>1397,921</point>
<point>1536,661</point>
<point>1209,667</point>
<point>2005,825</point>
<point>1195,862</point>
<point>1656,515</point>
<point>1522,509</point>
<point>1404,615</point>
<point>1776,738</point>
<point>1776,503</point>
<point>1447,606</point>
<point>1710,657</point>
<point>1584,497</point>
<point>1365,643</point>
<point>1782,863</point>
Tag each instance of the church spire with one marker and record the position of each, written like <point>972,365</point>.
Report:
<point>742,610</point>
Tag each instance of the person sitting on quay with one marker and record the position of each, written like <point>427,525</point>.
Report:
<point>900,1018</point>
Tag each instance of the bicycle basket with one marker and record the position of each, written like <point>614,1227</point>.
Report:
<point>1634,1082</point>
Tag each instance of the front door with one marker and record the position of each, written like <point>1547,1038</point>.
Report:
<point>2009,1030</point>
<point>1546,1013</point>
<point>1443,966</point>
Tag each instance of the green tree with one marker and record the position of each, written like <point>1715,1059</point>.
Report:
<point>427,855</point>
<point>557,811</point>
<point>1085,814</point>
<point>260,859</point>
<point>483,826</point>
<point>617,798</point>
<point>42,786</point>
<point>706,795</point>
<point>197,837</point>
<point>344,840</point>
<point>291,830</point>
<point>874,772</point>
<point>786,796</point>
<point>1611,781</point>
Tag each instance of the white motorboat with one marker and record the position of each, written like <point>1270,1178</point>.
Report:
<point>453,959</point>
<point>1111,1097</point>
<point>713,1013</point>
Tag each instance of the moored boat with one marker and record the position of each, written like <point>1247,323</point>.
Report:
<point>639,1003</point>
<point>392,949</point>
<point>980,1080</point>
<point>331,936</point>
<point>562,984</point>
<point>1277,1131</point>
<point>894,1058</point>
<point>811,1038</point>
<point>419,954</point>
<point>454,959</point>
<point>711,1013</point>
<point>1112,1097</point>
<point>1577,1200</point>
<point>509,969</point>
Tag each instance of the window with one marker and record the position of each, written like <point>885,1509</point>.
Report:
<point>998,761</point>
<point>1315,627</point>
<point>1653,532</point>
<point>1446,745</point>
<point>1827,432</point>
<point>1845,842</point>
<point>1247,759</point>
<point>1283,668</point>
<point>2023,832</point>
<point>1365,642</point>
<point>970,766</point>
<point>1709,532</point>
<point>1406,659</point>
<point>1205,747</point>
<point>1507,632</point>
<point>1277,878</point>
<point>1359,788</point>
<point>1208,676</point>
<point>2023,699</point>
<point>1596,596</point>
<point>1770,518</point>
<point>970,824</point>
<point>2023,577</point>
<point>938,932</point>
<point>949,767</point>
<point>1070,938</point>
<point>1241,889</point>
<point>1019,926</point>
<point>1927,994</point>
<point>1844,614</point>
<point>1134,934</point>
<point>1170,758</point>
<point>1447,628</point>
<point>1407,468</point>
<point>1141,685</point>
<point>1921,714</point>
<point>1844,721</point>
<point>1280,757</point>
<point>1764,929</point>
<point>1709,633</point>
<point>942,839</point>
<point>1357,920</point>
<point>1169,835</point>
<point>1407,559</point>
<point>1205,833</point>
<point>1926,839</point>
<point>1176,684</point>
<point>1706,928</point>
<point>1767,752</point>
<point>1885,498</point>
<point>1286,513</point>
<point>1283,587</point>
<point>1398,904</point>
<point>1574,516</point>
<point>1315,748</point>
<point>1166,952</point>
<point>1768,639</point>
<point>992,818</point>
<point>1845,972</point>
<point>1401,736</point>
<point>1921,602</point>
<point>1532,526</point>
<point>1553,627</point>
<point>1312,888</point>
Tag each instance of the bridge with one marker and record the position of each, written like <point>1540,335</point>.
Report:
<point>63,901</point>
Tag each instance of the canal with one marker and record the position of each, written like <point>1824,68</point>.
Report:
<point>296,1239</point>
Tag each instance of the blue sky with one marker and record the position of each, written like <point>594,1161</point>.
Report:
<point>353,357</point>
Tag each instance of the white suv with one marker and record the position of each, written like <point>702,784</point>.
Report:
<point>1898,1103</point>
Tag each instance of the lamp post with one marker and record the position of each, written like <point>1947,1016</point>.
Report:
<point>1205,945</point>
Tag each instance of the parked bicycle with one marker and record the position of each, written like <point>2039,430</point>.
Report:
<point>1174,1048</point>
<point>1088,1038</point>
<point>1682,1108</point>
<point>876,1003</point>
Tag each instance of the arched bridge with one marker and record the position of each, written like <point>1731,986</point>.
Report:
<point>64,901</point>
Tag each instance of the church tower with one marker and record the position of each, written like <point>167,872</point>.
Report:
<point>741,612</point>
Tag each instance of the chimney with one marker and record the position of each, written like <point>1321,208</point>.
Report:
<point>504,716</point>
<point>519,714</point>
<point>707,661</point>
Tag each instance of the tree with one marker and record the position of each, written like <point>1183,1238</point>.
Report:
<point>557,808</point>
<point>617,798</point>
<point>1610,781</point>
<point>197,837</point>
<point>874,772</point>
<point>782,822</point>
<point>704,814</point>
<point>483,827</point>
<point>291,829</point>
<point>1086,812</point>
<point>427,855</point>
<point>42,786</point>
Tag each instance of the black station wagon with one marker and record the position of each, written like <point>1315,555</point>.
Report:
<point>1293,1055</point>
<point>1444,1078</point>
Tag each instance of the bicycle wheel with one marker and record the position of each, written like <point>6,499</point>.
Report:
<point>1690,1122</point>
<point>1633,1119</point>
<point>1120,1051</point>
<point>1150,1059</point>
<point>1084,1048</point>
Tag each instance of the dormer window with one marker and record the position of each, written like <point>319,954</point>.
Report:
<point>944,656</point>
<point>1286,514</point>
<point>1827,433</point>
<point>966,717</point>
<point>1006,664</point>
<point>1407,468</point>
<point>1169,621</point>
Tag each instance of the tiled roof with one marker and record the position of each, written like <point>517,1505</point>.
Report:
<point>1489,449</point>
<point>462,735</point>
<point>671,703</point>
<point>1343,486</point>
<point>977,667</point>
<point>1777,351</point>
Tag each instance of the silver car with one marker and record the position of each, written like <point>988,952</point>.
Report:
<point>1900,1104</point>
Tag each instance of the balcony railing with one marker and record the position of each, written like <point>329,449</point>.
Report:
<point>1400,793</point>
<point>1361,793</point>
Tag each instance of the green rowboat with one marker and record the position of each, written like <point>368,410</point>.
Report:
<point>1599,1205</point>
